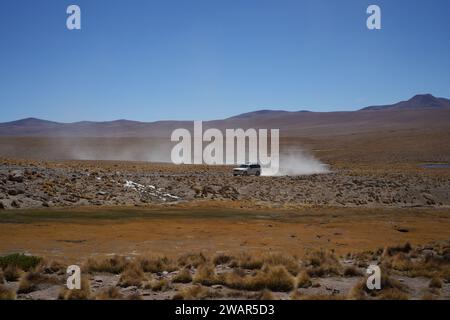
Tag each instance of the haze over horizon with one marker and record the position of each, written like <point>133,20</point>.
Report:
<point>170,61</point>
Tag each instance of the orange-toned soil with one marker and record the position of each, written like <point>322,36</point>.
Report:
<point>194,228</point>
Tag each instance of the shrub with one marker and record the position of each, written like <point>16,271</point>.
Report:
<point>221,258</point>
<point>12,273</point>
<point>390,251</point>
<point>157,264</point>
<point>192,260</point>
<point>111,293</point>
<point>6,294</point>
<point>265,295</point>
<point>77,294</point>
<point>114,265</point>
<point>184,276</point>
<point>132,276</point>
<point>24,262</point>
<point>195,292</point>
<point>352,271</point>
<point>30,282</point>
<point>160,285</point>
<point>247,261</point>
<point>322,263</point>
<point>435,283</point>
<point>277,259</point>
<point>303,280</point>
<point>207,276</point>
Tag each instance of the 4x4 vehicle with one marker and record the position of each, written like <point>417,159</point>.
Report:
<point>247,169</point>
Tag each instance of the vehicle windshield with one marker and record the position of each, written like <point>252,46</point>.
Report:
<point>244,166</point>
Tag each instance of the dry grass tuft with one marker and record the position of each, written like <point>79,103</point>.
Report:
<point>133,275</point>
<point>195,292</point>
<point>401,262</point>
<point>111,293</point>
<point>6,293</point>
<point>322,263</point>
<point>274,278</point>
<point>114,265</point>
<point>303,280</point>
<point>31,280</point>
<point>159,285</point>
<point>12,273</point>
<point>278,259</point>
<point>247,261</point>
<point>51,267</point>
<point>390,287</point>
<point>189,260</point>
<point>393,294</point>
<point>390,251</point>
<point>77,294</point>
<point>206,275</point>
<point>221,258</point>
<point>135,296</point>
<point>157,264</point>
<point>184,276</point>
<point>435,283</point>
<point>352,271</point>
<point>266,295</point>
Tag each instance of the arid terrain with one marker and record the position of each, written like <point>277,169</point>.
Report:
<point>154,230</point>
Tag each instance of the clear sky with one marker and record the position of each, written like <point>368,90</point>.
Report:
<point>209,59</point>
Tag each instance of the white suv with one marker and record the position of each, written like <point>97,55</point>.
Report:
<point>247,169</point>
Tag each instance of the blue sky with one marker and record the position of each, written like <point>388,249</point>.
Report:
<point>209,59</point>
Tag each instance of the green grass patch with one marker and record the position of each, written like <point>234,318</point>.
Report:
<point>19,260</point>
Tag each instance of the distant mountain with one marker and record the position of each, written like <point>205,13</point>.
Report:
<point>418,101</point>
<point>421,111</point>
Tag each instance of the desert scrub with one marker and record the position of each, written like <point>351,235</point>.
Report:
<point>206,275</point>
<point>352,271</point>
<point>12,273</point>
<point>196,292</point>
<point>21,261</point>
<point>274,278</point>
<point>278,259</point>
<point>221,258</point>
<point>303,280</point>
<point>133,275</point>
<point>390,287</point>
<point>157,264</point>
<point>84,293</point>
<point>265,295</point>
<point>435,283</point>
<point>192,260</point>
<point>51,267</point>
<point>401,262</point>
<point>322,263</point>
<point>31,280</point>
<point>247,261</point>
<point>6,293</point>
<point>390,251</point>
<point>184,276</point>
<point>111,293</point>
<point>114,265</point>
<point>159,285</point>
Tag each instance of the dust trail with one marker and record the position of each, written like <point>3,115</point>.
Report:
<point>296,163</point>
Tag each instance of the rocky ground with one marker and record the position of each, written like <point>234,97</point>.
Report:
<point>407,272</point>
<point>35,184</point>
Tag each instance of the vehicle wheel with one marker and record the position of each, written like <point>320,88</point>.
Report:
<point>245,173</point>
<point>258,173</point>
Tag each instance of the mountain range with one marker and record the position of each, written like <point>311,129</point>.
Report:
<point>421,111</point>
